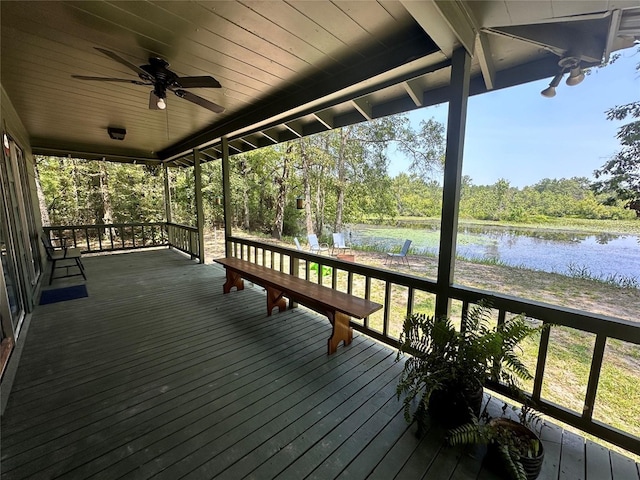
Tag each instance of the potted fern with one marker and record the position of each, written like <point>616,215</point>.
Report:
<point>446,369</point>
<point>514,448</point>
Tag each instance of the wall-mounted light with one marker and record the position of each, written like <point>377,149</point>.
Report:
<point>550,91</point>
<point>576,75</point>
<point>5,142</point>
<point>116,133</point>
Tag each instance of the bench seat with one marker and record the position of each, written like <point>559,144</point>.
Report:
<point>335,305</point>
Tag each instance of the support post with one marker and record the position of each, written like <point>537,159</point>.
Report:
<point>456,122</point>
<point>167,193</point>
<point>199,211</point>
<point>226,196</point>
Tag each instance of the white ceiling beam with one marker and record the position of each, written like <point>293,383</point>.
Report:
<point>449,23</point>
<point>414,91</point>
<point>269,137</point>
<point>325,118</point>
<point>614,26</point>
<point>295,130</point>
<point>364,107</point>
<point>483,53</point>
<point>248,143</point>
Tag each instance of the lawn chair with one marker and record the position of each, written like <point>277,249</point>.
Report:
<point>338,243</point>
<point>61,253</point>
<point>297,242</point>
<point>315,246</point>
<point>399,257</point>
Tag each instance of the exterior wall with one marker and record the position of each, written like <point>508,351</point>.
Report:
<point>20,246</point>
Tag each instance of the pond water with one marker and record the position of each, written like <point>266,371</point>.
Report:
<point>600,255</point>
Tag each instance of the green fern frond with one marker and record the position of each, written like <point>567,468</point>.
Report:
<point>514,467</point>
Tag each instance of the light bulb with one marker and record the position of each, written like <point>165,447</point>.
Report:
<point>161,103</point>
<point>5,141</point>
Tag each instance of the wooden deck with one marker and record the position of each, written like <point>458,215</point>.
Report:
<point>157,374</point>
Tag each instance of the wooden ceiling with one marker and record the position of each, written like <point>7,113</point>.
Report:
<point>287,69</point>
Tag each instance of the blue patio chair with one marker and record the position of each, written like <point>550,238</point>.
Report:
<point>399,257</point>
<point>339,244</point>
<point>315,246</point>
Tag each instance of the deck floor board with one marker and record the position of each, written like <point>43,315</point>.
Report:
<point>157,374</point>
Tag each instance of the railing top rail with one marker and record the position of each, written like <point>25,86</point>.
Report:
<point>179,225</point>
<point>569,317</point>
<point>382,274</point>
<point>102,225</point>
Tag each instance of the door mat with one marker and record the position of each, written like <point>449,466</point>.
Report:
<point>63,294</point>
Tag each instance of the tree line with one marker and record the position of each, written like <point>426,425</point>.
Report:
<point>339,177</point>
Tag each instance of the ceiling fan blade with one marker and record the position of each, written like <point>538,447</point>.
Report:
<point>198,82</point>
<point>124,62</point>
<point>214,107</point>
<point>105,79</point>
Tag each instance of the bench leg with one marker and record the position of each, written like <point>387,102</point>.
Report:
<point>341,331</point>
<point>233,280</point>
<point>275,298</point>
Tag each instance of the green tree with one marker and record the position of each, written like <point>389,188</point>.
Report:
<point>425,147</point>
<point>619,177</point>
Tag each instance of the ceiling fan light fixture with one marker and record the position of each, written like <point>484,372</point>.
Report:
<point>161,103</point>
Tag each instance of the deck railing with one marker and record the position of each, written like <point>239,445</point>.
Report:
<point>126,236</point>
<point>110,237</point>
<point>402,294</point>
<point>184,238</point>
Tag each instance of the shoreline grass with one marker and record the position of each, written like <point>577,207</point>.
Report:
<point>583,225</point>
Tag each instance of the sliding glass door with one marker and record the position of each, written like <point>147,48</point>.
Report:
<point>19,249</point>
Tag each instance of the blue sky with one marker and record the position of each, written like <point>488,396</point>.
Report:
<point>519,135</point>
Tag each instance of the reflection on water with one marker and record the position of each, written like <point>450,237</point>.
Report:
<point>603,254</point>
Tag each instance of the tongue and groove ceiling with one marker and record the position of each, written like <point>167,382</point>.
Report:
<point>287,69</point>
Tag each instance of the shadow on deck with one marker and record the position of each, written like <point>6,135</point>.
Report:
<point>157,374</point>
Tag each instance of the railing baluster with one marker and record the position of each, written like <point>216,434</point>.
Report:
<point>540,364</point>
<point>409,302</point>
<point>594,376</point>
<point>463,315</point>
<point>387,308</point>
<point>334,278</point>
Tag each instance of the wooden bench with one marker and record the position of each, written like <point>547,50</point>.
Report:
<point>337,306</point>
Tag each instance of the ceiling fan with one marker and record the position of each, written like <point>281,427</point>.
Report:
<point>162,79</point>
